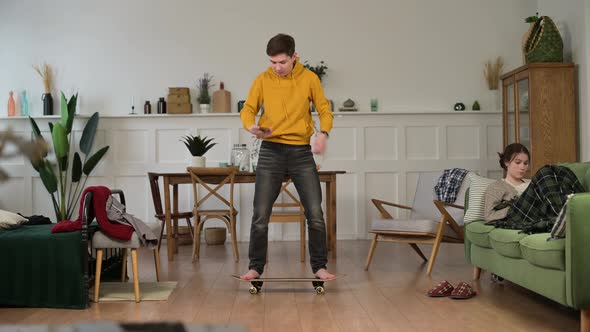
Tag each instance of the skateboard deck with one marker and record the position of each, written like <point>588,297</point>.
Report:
<point>318,284</point>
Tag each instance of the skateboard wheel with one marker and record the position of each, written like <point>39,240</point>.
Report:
<point>317,283</point>
<point>253,290</point>
<point>320,290</point>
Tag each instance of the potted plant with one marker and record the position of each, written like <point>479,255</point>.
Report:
<point>491,73</point>
<point>197,147</point>
<point>204,99</point>
<point>319,69</point>
<point>476,106</point>
<point>62,176</point>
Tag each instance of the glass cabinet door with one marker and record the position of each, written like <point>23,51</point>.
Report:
<point>523,113</point>
<point>510,114</point>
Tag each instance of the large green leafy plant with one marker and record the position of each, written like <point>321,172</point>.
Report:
<point>198,146</point>
<point>62,176</point>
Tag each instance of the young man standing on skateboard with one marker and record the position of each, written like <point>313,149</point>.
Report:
<point>286,126</point>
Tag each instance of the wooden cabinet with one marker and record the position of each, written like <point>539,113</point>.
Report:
<point>539,111</point>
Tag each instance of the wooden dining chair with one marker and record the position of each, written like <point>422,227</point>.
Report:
<point>290,211</point>
<point>228,215</point>
<point>161,216</point>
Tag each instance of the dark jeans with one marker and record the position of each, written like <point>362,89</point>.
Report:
<point>275,161</point>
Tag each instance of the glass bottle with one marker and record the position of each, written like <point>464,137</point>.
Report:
<point>24,104</point>
<point>147,108</point>
<point>11,105</point>
<point>161,106</point>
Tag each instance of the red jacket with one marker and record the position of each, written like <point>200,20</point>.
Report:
<point>100,195</point>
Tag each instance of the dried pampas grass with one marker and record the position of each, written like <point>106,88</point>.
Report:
<point>492,72</point>
<point>45,72</point>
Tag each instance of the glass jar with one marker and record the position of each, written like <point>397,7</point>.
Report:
<point>254,152</point>
<point>240,156</point>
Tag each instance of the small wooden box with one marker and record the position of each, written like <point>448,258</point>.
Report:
<point>182,108</point>
<point>179,91</point>
<point>178,99</point>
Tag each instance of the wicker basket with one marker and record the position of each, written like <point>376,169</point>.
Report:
<point>544,43</point>
<point>215,235</point>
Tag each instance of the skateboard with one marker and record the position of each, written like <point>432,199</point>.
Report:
<point>318,284</point>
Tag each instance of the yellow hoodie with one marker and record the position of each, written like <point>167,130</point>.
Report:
<point>286,105</point>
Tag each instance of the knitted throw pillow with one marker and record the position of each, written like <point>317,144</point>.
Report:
<point>477,189</point>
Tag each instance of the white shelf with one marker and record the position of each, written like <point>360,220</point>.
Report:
<point>223,115</point>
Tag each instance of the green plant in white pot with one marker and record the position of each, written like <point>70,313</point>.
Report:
<point>198,146</point>
<point>204,98</point>
<point>62,176</point>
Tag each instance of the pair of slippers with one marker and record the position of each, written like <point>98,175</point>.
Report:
<point>445,289</point>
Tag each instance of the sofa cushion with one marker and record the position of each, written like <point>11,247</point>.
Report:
<point>506,242</point>
<point>477,232</point>
<point>538,251</point>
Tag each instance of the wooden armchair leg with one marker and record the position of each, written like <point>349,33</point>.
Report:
<point>371,252</point>
<point>436,245</point>
<point>135,273</point>
<point>157,262</point>
<point>418,251</point>
<point>97,274</point>
<point>585,320</point>
<point>124,264</point>
<point>476,272</point>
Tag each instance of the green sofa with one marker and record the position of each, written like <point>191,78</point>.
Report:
<point>557,269</point>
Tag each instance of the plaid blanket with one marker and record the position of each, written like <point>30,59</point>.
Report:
<point>536,209</point>
<point>449,183</point>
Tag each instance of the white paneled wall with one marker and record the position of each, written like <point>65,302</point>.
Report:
<point>382,154</point>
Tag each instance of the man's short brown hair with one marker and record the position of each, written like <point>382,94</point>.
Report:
<point>280,44</point>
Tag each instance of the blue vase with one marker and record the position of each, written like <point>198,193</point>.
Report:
<point>24,104</point>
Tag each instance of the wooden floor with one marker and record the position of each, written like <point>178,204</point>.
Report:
<point>390,297</point>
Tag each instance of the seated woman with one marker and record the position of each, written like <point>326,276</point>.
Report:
<point>500,194</point>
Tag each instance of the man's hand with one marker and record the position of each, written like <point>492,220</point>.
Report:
<point>320,143</point>
<point>260,132</point>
